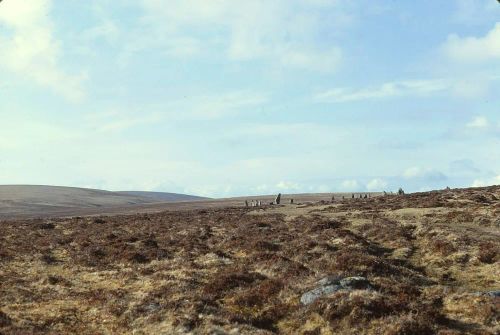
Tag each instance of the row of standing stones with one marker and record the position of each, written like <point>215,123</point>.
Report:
<point>277,200</point>
<point>258,203</point>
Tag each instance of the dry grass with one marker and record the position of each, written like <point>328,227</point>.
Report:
<point>428,257</point>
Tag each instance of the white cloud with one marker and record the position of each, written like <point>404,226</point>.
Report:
<point>203,107</point>
<point>287,186</point>
<point>220,105</point>
<point>486,182</point>
<point>476,11</point>
<point>107,30</point>
<point>412,172</point>
<point>474,49</point>
<point>350,185</point>
<point>23,132</point>
<point>386,90</point>
<point>478,122</point>
<point>126,122</point>
<point>326,60</point>
<point>428,174</point>
<point>376,184</point>
<point>282,32</point>
<point>29,47</point>
<point>471,88</point>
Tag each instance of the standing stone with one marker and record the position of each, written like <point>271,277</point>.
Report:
<point>246,203</point>
<point>352,196</point>
<point>259,203</point>
<point>278,199</point>
<point>333,198</point>
<point>291,201</point>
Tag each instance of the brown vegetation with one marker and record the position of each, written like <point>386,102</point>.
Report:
<point>429,258</point>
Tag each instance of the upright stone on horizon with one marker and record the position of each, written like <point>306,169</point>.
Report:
<point>278,199</point>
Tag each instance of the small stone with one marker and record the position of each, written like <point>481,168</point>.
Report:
<point>152,307</point>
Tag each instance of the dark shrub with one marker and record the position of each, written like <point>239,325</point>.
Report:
<point>224,282</point>
<point>5,320</point>
<point>138,258</point>
<point>487,252</point>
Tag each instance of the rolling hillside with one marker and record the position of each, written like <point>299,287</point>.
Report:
<point>41,200</point>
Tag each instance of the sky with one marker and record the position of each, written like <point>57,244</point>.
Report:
<point>239,97</point>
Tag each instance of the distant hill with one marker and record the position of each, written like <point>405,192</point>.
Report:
<point>41,199</point>
<point>164,196</point>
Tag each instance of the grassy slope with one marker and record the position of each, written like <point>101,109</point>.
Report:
<point>238,270</point>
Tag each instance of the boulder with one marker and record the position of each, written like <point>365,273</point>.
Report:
<point>493,294</point>
<point>331,284</point>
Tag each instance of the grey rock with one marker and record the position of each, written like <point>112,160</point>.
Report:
<point>360,283</point>
<point>329,280</point>
<point>331,284</point>
<point>493,294</point>
<point>314,294</point>
<point>152,307</point>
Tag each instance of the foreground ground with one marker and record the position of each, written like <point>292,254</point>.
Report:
<point>429,262</point>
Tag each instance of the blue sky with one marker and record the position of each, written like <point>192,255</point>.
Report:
<point>223,98</point>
